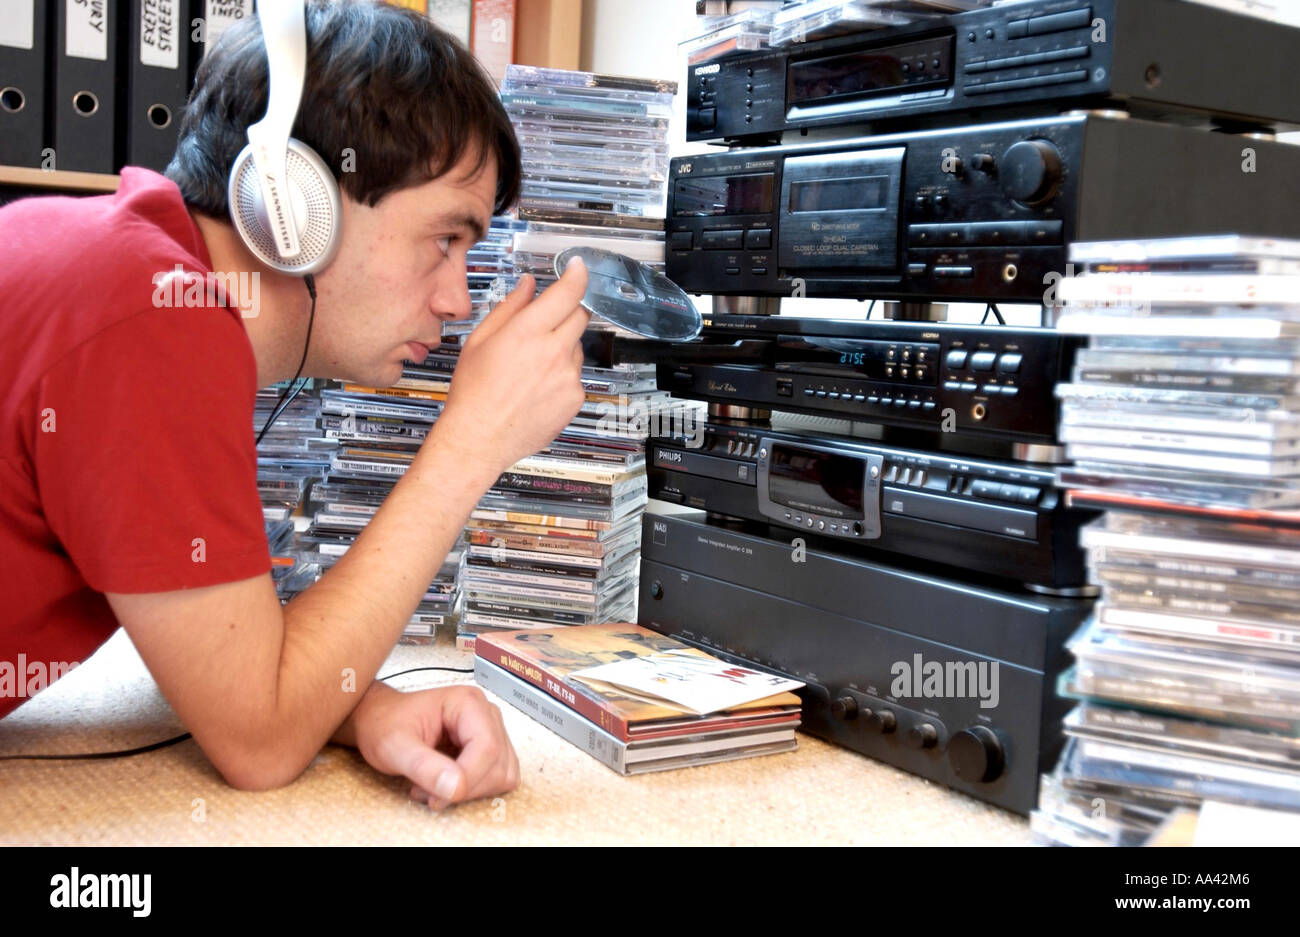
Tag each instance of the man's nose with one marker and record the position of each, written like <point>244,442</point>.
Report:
<point>451,299</point>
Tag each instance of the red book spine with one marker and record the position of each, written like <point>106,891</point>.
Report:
<point>553,686</point>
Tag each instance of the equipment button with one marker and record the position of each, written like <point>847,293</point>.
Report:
<point>992,389</point>
<point>1028,495</point>
<point>859,397</point>
<point>1044,232</point>
<point>922,374</point>
<point>916,270</point>
<point>905,476</point>
<point>918,477</point>
<point>682,240</point>
<point>821,525</point>
<point>708,118</point>
<point>914,405</point>
<point>899,402</point>
<point>952,385</point>
<point>759,271</point>
<point>905,373</point>
<point>982,360</point>
<point>907,355</point>
<point>956,359</point>
<point>807,391</point>
<point>1009,363</point>
<point>1059,22</point>
<point>722,239</point>
<point>886,401</point>
<point>1008,391</point>
<point>1017,29</point>
<point>758,239</point>
<point>821,393</point>
<point>1010,493</point>
<point>954,272</point>
<point>970,387</point>
<point>733,271</point>
<point>889,369</point>
<point>873,399</point>
<point>982,488</point>
<point>808,521</point>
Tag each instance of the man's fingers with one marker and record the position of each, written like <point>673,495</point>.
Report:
<point>569,331</point>
<point>432,772</point>
<point>557,301</point>
<point>485,749</point>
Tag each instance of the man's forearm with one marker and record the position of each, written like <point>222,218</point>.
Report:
<point>338,632</point>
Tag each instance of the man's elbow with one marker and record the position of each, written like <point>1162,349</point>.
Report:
<point>258,770</point>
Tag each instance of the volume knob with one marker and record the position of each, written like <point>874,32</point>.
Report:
<point>976,755</point>
<point>1030,171</point>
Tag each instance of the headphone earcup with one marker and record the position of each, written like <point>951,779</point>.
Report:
<point>313,195</point>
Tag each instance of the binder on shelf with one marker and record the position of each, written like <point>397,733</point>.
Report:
<point>86,110</point>
<point>161,64</point>
<point>24,51</point>
<point>220,15</point>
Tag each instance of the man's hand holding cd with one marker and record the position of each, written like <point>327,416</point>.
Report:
<point>517,383</point>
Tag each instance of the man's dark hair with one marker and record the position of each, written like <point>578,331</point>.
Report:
<point>407,99</point>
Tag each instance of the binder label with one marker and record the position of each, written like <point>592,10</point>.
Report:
<point>221,15</point>
<point>160,33</point>
<point>87,36</point>
<point>18,23</point>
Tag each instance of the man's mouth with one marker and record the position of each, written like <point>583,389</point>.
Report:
<point>418,352</point>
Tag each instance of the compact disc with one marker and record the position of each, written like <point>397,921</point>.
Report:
<point>632,296</point>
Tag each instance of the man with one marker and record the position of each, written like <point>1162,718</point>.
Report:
<point>127,465</point>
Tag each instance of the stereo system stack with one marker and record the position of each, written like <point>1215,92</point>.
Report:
<point>875,507</point>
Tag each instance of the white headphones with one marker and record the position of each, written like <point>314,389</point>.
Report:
<point>284,201</point>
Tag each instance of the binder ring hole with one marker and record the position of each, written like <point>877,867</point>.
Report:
<point>85,102</point>
<point>12,100</point>
<point>160,115</point>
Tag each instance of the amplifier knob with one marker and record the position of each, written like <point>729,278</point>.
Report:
<point>880,720</point>
<point>1030,171</point>
<point>976,755</point>
<point>845,708</point>
<point>921,736</point>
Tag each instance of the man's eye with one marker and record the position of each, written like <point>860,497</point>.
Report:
<point>444,244</point>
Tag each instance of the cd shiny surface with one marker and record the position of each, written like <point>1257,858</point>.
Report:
<point>632,296</point>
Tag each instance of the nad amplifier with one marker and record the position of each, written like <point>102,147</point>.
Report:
<point>974,212</point>
<point>1002,519</point>
<point>949,680</point>
<point>1180,61</point>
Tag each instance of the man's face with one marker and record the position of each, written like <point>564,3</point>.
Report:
<point>399,274</point>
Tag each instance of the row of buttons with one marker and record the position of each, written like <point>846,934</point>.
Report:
<point>969,387</point>
<point>883,401</point>
<point>735,271</point>
<point>985,233</point>
<point>906,354</point>
<point>894,475</point>
<point>723,239</point>
<point>1034,58</point>
<point>975,86</point>
<point>920,373</point>
<point>1008,363</point>
<point>835,528</point>
<point>1021,494</point>
<point>740,447</point>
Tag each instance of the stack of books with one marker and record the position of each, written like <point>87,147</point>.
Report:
<point>636,700</point>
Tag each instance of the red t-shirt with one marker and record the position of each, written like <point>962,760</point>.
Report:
<point>127,461</point>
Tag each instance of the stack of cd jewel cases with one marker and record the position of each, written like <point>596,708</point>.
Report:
<point>377,432</point>
<point>291,455</point>
<point>1183,421</point>
<point>557,539</point>
<point>721,36</point>
<point>591,143</point>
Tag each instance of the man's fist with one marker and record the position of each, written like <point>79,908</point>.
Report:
<point>450,743</point>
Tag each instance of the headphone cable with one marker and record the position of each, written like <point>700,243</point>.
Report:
<point>291,391</point>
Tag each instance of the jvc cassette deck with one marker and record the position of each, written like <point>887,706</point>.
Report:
<point>972,212</point>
